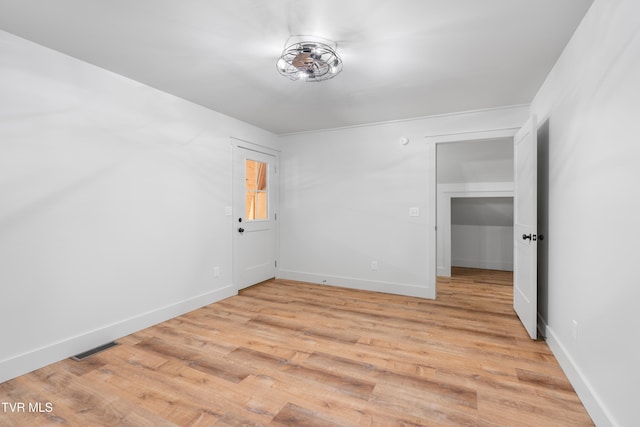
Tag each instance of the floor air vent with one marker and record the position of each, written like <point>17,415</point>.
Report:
<point>103,347</point>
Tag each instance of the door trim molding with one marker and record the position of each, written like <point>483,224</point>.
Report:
<point>445,193</point>
<point>239,142</point>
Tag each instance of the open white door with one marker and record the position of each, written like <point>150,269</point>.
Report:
<point>525,292</point>
<point>255,195</point>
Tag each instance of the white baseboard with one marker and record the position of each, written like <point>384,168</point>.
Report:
<point>355,283</point>
<point>480,263</point>
<point>38,358</point>
<point>590,399</point>
<point>443,272</point>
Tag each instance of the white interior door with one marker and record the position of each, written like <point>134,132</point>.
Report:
<point>525,295</point>
<point>254,216</point>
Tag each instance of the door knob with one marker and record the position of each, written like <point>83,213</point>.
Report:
<point>526,236</point>
<point>240,230</point>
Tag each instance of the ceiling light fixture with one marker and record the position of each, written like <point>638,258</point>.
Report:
<point>309,58</point>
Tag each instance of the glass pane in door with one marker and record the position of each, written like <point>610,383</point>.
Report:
<point>256,190</point>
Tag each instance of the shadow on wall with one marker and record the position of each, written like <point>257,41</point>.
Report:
<point>482,232</point>
<point>543,226</point>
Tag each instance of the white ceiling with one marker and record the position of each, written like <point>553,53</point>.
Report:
<point>402,58</point>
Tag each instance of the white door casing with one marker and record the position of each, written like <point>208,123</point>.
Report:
<point>446,192</point>
<point>255,233</point>
<point>525,255</point>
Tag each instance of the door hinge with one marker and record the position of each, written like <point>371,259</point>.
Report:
<point>276,263</point>
<point>275,216</point>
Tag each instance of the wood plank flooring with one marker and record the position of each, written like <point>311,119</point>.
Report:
<point>286,353</point>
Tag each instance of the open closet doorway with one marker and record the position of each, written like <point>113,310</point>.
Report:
<point>481,232</point>
<point>467,165</point>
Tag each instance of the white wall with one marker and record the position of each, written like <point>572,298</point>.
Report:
<point>482,232</point>
<point>346,195</point>
<point>475,161</point>
<point>482,246</point>
<point>592,102</point>
<point>112,199</point>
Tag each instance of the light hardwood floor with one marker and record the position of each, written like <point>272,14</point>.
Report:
<point>286,353</point>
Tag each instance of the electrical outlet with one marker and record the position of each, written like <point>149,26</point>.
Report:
<point>374,265</point>
<point>216,271</point>
<point>414,211</point>
<point>574,329</point>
